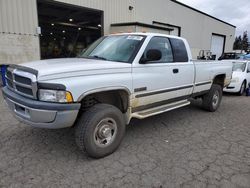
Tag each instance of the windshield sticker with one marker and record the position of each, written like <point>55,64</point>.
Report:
<point>135,38</point>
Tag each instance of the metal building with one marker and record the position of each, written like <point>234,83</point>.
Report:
<point>39,29</point>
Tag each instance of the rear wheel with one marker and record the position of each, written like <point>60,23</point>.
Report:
<point>211,101</point>
<point>242,88</point>
<point>100,130</point>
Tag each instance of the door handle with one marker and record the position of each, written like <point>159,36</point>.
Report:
<point>175,71</point>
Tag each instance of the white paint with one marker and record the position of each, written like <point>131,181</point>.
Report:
<point>83,75</point>
<point>238,77</point>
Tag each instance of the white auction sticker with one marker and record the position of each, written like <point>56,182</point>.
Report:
<point>134,38</point>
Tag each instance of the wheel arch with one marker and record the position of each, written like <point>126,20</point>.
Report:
<point>117,96</point>
<point>244,81</point>
<point>219,79</point>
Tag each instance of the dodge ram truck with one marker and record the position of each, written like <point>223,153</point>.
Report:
<point>117,78</point>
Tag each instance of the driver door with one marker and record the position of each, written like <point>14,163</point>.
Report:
<point>165,81</point>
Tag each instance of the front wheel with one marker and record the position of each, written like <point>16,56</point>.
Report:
<point>242,89</point>
<point>211,101</point>
<point>100,130</point>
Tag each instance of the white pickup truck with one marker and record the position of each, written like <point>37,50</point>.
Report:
<point>117,78</point>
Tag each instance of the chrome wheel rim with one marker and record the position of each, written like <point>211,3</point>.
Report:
<point>216,98</point>
<point>105,132</point>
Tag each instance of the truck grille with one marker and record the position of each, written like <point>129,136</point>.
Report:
<point>23,83</point>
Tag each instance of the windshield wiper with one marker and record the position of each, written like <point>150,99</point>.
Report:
<point>99,57</point>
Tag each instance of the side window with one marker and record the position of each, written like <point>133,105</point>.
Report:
<point>179,50</point>
<point>162,44</point>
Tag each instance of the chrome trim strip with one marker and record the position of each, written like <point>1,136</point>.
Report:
<point>25,74</point>
<point>15,83</point>
<point>22,85</point>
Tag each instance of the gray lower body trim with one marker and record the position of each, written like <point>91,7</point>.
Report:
<point>201,93</point>
<point>63,119</point>
<point>153,105</point>
<point>41,117</point>
<point>38,104</point>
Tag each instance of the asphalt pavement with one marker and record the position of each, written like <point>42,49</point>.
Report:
<point>187,147</point>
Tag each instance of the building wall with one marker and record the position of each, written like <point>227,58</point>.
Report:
<point>197,28</point>
<point>18,48</point>
<point>19,41</point>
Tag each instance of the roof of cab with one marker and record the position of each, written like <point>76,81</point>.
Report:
<point>146,34</point>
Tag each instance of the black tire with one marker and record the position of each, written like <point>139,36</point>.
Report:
<point>88,135</point>
<point>210,102</point>
<point>242,88</point>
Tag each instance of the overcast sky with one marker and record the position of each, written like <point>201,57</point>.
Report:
<point>236,12</point>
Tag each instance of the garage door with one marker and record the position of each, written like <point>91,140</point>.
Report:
<point>67,29</point>
<point>217,45</point>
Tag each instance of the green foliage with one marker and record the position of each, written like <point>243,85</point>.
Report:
<point>241,43</point>
<point>245,41</point>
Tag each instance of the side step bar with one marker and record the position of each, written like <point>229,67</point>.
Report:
<point>160,109</point>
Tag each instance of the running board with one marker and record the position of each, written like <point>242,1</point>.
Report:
<point>160,109</point>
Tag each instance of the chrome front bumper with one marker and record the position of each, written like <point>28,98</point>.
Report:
<point>41,114</point>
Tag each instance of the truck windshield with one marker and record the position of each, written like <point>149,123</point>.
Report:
<point>239,67</point>
<point>118,48</point>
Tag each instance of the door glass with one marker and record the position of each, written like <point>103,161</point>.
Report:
<point>162,44</point>
<point>179,49</point>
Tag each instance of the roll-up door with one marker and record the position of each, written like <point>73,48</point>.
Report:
<point>217,45</point>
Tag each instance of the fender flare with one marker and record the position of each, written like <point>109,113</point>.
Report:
<point>103,89</point>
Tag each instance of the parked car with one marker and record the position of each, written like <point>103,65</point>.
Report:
<point>119,77</point>
<point>246,57</point>
<point>240,77</point>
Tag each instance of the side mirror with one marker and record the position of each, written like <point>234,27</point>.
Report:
<point>152,55</point>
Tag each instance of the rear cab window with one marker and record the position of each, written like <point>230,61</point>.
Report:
<point>179,50</point>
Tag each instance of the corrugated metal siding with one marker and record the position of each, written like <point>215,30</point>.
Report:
<point>18,16</point>
<point>197,28</point>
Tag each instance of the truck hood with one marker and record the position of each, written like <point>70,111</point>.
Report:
<point>71,67</point>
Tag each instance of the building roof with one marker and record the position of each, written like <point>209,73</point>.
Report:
<point>182,4</point>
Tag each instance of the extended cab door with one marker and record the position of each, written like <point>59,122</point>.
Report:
<point>165,81</point>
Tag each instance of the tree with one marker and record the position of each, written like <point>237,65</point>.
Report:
<point>245,41</point>
<point>241,43</point>
<point>237,43</point>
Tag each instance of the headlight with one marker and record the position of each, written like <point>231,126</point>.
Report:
<point>234,80</point>
<point>55,96</point>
